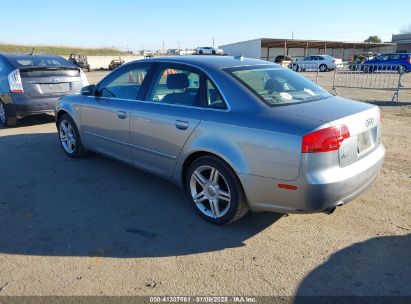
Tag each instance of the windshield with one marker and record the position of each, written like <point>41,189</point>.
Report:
<point>277,86</point>
<point>39,61</point>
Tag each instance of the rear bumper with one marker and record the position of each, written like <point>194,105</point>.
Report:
<point>24,105</point>
<point>316,191</point>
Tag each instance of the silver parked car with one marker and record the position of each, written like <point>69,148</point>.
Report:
<point>235,133</point>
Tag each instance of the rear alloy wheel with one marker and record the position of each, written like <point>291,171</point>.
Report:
<point>323,68</point>
<point>5,119</point>
<point>295,67</point>
<point>215,191</point>
<point>70,137</point>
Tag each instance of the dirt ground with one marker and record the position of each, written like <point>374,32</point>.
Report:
<point>94,226</point>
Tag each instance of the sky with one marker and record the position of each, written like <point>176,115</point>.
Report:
<point>136,24</point>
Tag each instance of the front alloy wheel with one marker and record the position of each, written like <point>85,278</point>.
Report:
<point>215,191</point>
<point>70,137</point>
<point>67,136</point>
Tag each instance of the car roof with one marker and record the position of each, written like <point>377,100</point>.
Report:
<point>394,54</point>
<point>199,61</point>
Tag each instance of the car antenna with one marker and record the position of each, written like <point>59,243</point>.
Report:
<point>239,57</point>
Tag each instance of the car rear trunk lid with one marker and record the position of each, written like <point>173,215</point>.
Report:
<point>50,81</point>
<point>363,121</point>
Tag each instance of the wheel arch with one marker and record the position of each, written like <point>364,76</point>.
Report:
<point>236,163</point>
<point>67,106</point>
<point>59,114</point>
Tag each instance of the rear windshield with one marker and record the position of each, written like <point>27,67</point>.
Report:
<point>277,86</point>
<point>39,61</point>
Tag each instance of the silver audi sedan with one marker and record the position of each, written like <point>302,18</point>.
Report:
<point>236,134</point>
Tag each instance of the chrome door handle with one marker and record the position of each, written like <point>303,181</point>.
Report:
<point>182,125</point>
<point>122,114</point>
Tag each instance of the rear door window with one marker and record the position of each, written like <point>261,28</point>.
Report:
<point>176,86</point>
<point>383,57</point>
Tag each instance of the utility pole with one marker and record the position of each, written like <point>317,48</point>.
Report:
<point>292,35</point>
<point>163,47</point>
<point>213,42</point>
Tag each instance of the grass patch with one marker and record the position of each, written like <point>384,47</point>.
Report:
<point>59,50</point>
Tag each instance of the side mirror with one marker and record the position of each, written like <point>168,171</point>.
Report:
<point>88,90</point>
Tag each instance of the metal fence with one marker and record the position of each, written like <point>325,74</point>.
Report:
<point>371,77</point>
<point>311,70</point>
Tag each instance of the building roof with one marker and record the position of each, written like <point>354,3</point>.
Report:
<point>401,38</point>
<point>300,43</point>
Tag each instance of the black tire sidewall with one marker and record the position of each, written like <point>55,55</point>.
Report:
<point>323,68</point>
<point>10,120</point>
<point>4,123</point>
<point>229,175</point>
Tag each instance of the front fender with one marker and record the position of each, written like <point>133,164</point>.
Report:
<point>72,106</point>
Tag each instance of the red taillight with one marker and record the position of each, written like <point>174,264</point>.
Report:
<point>325,140</point>
<point>16,86</point>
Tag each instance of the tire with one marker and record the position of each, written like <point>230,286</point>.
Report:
<point>213,53</point>
<point>295,67</point>
<point>6,120</point>
<point>69,137</point>
<point>323,68</point>
<point>200,52</point>
<point>88,68</point>
<point>209,179</point>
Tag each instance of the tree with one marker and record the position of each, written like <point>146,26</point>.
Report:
<point>406,29</point>
<point>373,39</point>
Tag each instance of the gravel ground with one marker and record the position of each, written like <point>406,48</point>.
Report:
<point>96,227</point>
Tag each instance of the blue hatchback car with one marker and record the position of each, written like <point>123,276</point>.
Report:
<point>396,59</point>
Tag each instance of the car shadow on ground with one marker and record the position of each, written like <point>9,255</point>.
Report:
<point>33,120</point>
<point>52,205</point>
<point>389,103</point>
<point>377,267</point>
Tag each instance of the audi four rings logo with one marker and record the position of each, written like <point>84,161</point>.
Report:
<point>369,122</point>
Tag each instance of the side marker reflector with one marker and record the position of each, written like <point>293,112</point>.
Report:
<point>286,186</point>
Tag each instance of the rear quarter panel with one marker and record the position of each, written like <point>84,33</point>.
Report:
<point>264,144</point>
